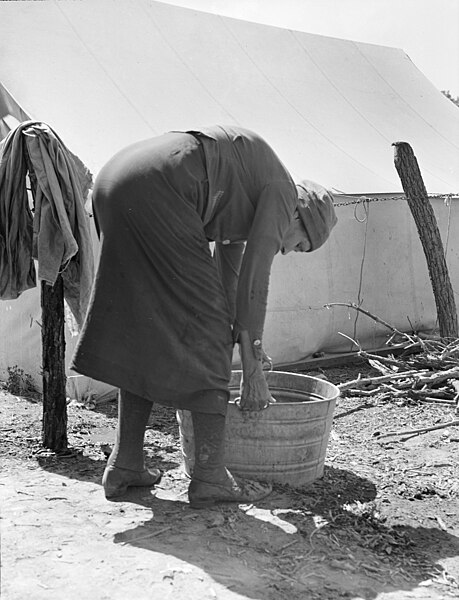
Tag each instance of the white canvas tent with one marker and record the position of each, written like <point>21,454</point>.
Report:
<point>106,73</point>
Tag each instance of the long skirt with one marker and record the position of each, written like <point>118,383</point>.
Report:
<point>158,324</point>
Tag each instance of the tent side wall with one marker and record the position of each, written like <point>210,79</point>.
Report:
<point>374,259</point>
<point>393,284</point>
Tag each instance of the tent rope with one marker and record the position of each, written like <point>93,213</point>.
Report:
<point>362,264</point>
<point>448,204</point>
<point>366,209</point>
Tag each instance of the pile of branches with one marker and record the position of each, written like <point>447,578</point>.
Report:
<point>427,370</point>
<point>430,376</point>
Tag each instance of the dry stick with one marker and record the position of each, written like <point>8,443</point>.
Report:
<point>456,397</point>
<point>380,359</point>
<point>425,392</point>
<point>449,350</point>
<point>144,537</point>
<point>375,380</point>
<point>381,367</point>
<point>435,400</point>
<point>357,392</point>
<point>439,377</point>
<point>421,430</point>
<point>426,397</point>
<point>288,545</point>
<point>426,223</point>
<point>395,392</point>
<point>369,314</point>
<point>455,385</point>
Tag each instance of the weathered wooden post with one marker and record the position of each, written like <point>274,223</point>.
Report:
<point>429,234</point>
<point>54,431</point>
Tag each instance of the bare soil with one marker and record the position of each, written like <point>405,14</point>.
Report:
<point>382,523</point>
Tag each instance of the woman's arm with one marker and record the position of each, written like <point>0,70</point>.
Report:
<point>274,212</point>
<point>248,331</point>
<point>275,208</point>
<point>254,388</point>
<point>228,258</point>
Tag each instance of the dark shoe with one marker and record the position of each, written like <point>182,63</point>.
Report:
<point>202,494</point>
<point>117,480</point>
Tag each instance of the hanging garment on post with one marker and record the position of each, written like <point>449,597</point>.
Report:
<point>17,269</point>
<point>57,235</point>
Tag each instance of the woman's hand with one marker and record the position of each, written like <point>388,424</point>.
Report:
<point>266,361</point>
<point>255,394</point>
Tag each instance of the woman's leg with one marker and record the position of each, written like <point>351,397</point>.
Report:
<point>211,481</point>
<point>126,464</point>
<point>209,431</point>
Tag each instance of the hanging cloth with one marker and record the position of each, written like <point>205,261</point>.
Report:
<point>56,233</point>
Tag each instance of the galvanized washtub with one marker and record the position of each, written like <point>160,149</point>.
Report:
<point>285,443</point>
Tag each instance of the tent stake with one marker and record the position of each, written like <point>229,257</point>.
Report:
<point>426,223</point>
<point>54,431</point>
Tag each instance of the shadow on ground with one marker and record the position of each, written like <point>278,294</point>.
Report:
<point>75,464</point>
<point>325,540</point>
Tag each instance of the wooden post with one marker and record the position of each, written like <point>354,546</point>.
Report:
<point>426,223</point>
<point>54,431</point>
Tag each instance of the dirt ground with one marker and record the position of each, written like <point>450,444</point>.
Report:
<point>382,523</point>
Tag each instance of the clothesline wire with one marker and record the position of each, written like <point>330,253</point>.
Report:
<point>360,199</point>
